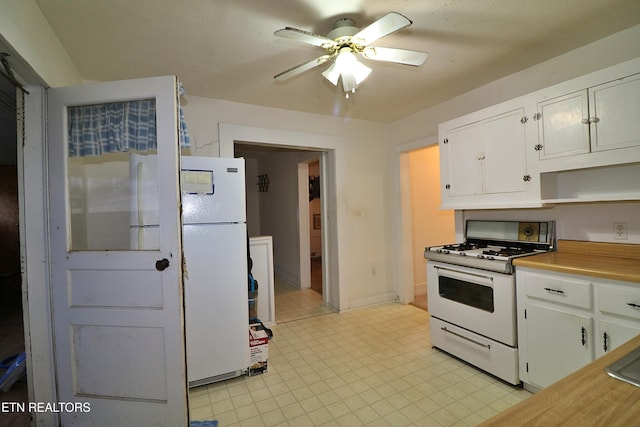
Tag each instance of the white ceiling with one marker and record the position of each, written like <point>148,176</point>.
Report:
<point>226,49</point>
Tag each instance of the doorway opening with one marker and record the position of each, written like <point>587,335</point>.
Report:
<point>315,225</point>
<point>423,222</point>
<point>12,335</point>
<point>288,211</point>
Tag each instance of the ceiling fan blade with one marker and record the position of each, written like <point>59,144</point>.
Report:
<point>400,56</point>
<point>301,68</point>
<point>304,37</point>
<point>389,23</point>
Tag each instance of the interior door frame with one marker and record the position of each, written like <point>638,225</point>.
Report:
<point>228,134</point>
<point>34,242</point>
<point>402,230</point>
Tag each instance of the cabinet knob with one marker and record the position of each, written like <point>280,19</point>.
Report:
<point>538,147</point>
<point>594,119</point>
<point>447,186</point>
<point>585,121</point>
<point>524,120</point>
<point>537,116</point>
<point>526,178</point>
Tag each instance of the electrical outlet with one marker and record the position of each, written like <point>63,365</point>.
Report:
<point>620,231</point>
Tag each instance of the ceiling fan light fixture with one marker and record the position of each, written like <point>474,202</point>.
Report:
<point>345,41</point>
<point>347,67</point>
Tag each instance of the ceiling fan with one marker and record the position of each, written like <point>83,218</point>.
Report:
<point>342,45</point>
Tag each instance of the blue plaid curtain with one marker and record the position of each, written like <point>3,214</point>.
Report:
<point>116,127</point>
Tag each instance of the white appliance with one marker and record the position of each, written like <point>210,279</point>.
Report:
<point>215,252</point>
<point>471,292</point>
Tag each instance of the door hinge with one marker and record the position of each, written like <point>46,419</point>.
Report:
<point>537,116</point>
<point>524,120</point>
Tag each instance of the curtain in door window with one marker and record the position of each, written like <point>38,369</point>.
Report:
<point>117,127</point>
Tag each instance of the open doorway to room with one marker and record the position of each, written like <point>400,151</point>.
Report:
<point>315,225</point>
<point>430,225</point>
<point>280,207</point>
<point>12,338</point>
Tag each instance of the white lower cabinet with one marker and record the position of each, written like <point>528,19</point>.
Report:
<point>612,334</point>
<point>559,342</point>
<point>566,321</point>
<point>618,315</point>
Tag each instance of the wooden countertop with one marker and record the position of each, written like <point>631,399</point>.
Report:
<point>616,261</point>
<point>588,397</point>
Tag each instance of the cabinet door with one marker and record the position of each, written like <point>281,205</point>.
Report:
<point>463,152</point>
<point>612,334</point>
<point>503,161</point>
<point>614,109</point>
<point>563,125</point>
<point>558,343</point>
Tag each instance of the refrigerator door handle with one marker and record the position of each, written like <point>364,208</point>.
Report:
<point>162,264</point>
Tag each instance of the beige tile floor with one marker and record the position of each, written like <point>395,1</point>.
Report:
<point>296,304</point>
<point>368,367</point>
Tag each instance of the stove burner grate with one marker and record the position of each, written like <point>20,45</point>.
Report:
<point>460,247</point>
<point>506,252</point>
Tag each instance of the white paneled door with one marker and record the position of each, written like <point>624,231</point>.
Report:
<point>117,312</point>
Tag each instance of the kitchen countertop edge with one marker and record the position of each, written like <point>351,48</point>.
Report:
<point>584,263</point>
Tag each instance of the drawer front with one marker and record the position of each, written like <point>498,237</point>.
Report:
<point>561,290</point>
<point>491,356</point>
<point>619,301</point>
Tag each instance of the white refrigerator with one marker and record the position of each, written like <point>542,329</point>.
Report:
<point>214,239</point>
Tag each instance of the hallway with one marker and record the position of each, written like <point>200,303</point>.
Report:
<point>295,304</point>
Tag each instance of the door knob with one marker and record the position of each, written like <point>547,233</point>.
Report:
<point>162,264</point>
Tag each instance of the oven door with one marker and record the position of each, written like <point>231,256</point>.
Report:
<point>481,301</point>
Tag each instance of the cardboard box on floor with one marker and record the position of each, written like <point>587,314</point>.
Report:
<point>259,349</point>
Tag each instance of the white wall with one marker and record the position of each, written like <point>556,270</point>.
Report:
<point>25,29</point>
<point>360,197</point>
<point>279,213</point>
<point>253,201</point>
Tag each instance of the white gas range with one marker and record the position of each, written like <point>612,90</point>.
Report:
<point>471,292</point>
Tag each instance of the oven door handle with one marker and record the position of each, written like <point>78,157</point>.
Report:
<point>482,276</point>
<point>448,331</point>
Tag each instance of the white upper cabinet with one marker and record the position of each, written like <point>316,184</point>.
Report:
<point>483,159</point>
<point>561,130</point>
<point>577,141</point>
<point>591,121</point>
<point>614,118</point>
